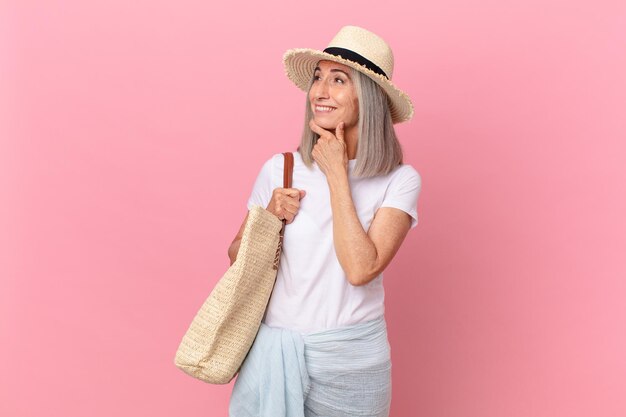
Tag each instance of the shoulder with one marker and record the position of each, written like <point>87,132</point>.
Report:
<point>404,173</point>
<point>272,161</point>
<point>277,160</point>
<point>272,169</point>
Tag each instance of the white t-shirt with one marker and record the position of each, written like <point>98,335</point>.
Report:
<point>312,292</point>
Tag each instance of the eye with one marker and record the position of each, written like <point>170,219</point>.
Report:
<point>339,79</point>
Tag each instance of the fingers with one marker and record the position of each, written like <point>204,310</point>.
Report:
<point>288,192</point>
<point>291,192</point>
<point>287,211</point>
<point>287,202</point>
<point>339,131</point>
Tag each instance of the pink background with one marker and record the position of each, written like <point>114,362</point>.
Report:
<point>130,136</point>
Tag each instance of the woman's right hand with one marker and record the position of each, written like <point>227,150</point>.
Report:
<point>285,203</point>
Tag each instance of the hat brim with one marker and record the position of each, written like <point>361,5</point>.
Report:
<point>300,64</point>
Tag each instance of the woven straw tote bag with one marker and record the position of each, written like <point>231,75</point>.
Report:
<point>223,330</point>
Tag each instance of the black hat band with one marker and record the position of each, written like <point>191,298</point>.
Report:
<point>353,56</point>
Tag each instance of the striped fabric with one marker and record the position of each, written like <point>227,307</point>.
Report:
<point>337,372</point>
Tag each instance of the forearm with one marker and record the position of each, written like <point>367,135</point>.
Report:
<point>233,250</point>
<point>355,250</point>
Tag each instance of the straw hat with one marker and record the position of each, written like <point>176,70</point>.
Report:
<point>359,49</point>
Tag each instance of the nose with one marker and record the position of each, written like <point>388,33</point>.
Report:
<point>320,89</point>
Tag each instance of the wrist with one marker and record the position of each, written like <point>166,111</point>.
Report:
<point>338,180</point>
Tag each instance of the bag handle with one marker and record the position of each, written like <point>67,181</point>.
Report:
<point>288,173</point>
<point>287,181</point>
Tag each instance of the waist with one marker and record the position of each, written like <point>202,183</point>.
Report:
<point>347,348</point>
<point>359,330</point>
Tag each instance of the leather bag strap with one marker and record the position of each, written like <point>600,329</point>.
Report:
<point>287,182</point>
<point>288,173</point>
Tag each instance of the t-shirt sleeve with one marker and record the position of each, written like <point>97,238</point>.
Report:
<point>263,186</point>
<point>403,192</point>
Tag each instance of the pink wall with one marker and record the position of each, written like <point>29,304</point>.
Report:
<point>130,136</point>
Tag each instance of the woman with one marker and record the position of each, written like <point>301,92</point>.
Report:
<point>322,349</point>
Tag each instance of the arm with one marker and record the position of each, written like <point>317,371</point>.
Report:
<point>363,256</point>
<point>234,246</point>
<point>284,203</point>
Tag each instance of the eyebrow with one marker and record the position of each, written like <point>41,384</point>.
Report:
<point>332,70</point>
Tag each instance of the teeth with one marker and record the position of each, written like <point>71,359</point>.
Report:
<point>324,108</point>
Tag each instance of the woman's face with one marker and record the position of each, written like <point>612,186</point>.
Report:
<point>333,96</point>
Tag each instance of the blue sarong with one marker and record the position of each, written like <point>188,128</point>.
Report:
<point>339,372</point>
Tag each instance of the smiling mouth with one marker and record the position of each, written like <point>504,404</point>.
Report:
<point>324,109</point>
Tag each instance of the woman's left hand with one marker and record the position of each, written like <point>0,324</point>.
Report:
<point>330,152</point>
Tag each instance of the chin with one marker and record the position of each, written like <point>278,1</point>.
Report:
<point>326,124</point>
